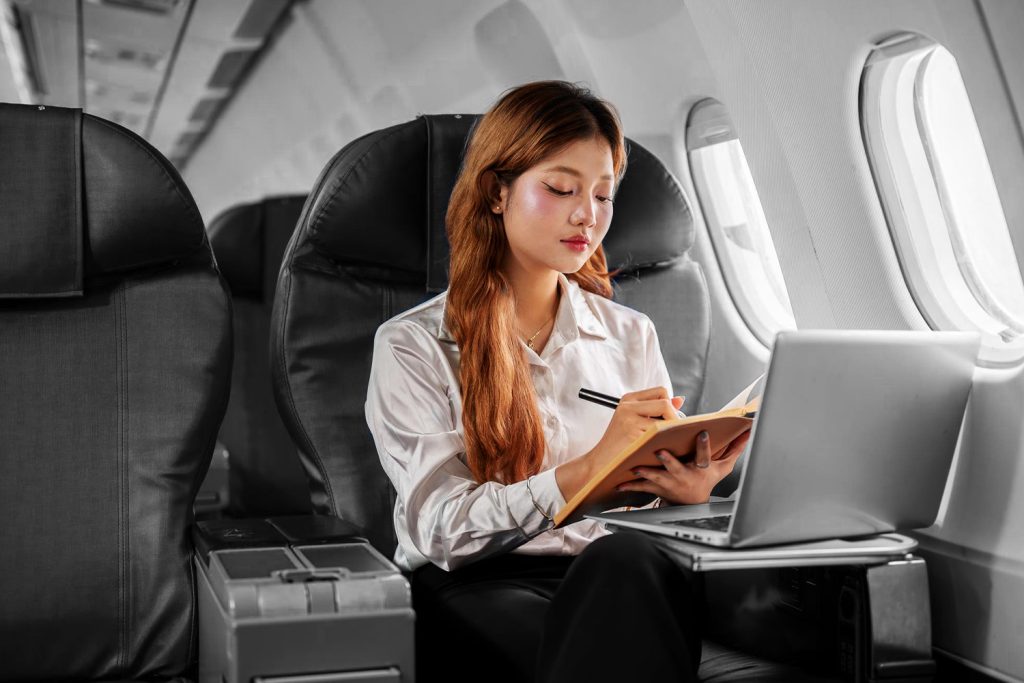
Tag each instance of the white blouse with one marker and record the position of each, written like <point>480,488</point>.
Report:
<point>414,410</point>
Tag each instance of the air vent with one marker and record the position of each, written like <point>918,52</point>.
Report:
<point>206,109</point>
<point>260,18</point>
<point>186,141</point>
<point>229,68</point>
<point>124,55</point>
<point>148,6</point>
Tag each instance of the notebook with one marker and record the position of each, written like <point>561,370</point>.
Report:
<point>855,436</point>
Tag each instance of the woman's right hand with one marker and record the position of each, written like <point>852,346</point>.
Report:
<point>631,419</point>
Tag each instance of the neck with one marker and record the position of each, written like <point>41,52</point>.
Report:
<point>536,296</point>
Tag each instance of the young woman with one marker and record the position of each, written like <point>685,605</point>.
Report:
<point>472,404</point>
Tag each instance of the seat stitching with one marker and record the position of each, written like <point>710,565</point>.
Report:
<point>289,395</point>
<point>122,522</point>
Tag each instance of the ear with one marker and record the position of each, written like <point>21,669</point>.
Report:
<point>497,192</point>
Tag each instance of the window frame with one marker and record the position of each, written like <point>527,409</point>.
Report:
<point>946,285</point>
<point>708,125</point>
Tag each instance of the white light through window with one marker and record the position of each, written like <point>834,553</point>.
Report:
<point>939,196</point>
<point>736,222</point>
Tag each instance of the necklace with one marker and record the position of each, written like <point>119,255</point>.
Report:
<point>529,342</point>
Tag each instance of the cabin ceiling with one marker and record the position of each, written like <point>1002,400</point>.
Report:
<point>162,68</point>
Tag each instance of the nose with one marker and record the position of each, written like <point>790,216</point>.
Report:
<point>585,213</point>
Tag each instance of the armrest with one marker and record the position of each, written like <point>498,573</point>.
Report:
<point>282,597</point>
<point>273,532</point>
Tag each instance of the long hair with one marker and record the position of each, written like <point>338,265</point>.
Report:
<point>503,432</point>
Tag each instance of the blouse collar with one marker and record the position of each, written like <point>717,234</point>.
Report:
<point>574,316</point>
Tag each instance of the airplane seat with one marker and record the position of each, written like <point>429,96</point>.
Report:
<point>359,256</point>
<point>115,358</point>
<point>265,476</point>
<point>371,243</point>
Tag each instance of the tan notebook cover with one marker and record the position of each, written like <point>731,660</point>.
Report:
<point>678,436</point>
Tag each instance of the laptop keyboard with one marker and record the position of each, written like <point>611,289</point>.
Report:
<point>716,523</point>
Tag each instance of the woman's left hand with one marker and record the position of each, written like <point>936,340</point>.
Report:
<point>684,483</point>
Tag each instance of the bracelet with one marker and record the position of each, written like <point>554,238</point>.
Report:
<point>543,514</point>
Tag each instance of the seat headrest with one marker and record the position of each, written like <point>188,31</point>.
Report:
<point>83,197</point>
<point>380,204</point>
<point>249,239</point>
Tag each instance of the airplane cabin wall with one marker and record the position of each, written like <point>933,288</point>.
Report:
<point>788,72</point>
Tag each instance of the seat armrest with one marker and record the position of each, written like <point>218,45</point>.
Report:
<point>274,532</point>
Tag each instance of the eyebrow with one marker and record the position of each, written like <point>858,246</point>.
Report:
<point>573,172</point>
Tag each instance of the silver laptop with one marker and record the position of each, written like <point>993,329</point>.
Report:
<point>855,435</point>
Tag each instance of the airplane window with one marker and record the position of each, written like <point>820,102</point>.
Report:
<point>739,231</point>
<point>939,197</point>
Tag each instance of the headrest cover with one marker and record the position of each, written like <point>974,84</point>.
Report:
<point>40,192</point>
<point>248,241</point>
<point>83,197</point>
<point>138,211</point>
<point>382,200</point>
<point>446,144</point>
<point>652,223</point>
<point>370,206</point>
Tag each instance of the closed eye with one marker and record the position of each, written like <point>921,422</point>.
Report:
<point>560,193</point>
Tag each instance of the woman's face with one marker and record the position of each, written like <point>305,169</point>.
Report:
<point>557,212</point>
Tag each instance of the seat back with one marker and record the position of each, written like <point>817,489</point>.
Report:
<point>115,350</point>
<point>265,476</point>
<point>371,243</point>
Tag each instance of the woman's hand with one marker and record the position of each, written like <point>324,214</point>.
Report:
<point>690,482</point>
<point>632,418</point>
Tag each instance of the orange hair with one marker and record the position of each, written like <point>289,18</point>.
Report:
<point>504,436</point>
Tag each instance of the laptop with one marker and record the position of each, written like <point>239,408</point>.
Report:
<point>855,436</point>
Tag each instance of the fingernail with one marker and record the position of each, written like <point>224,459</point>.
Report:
<point>636,473</point>
<point>660,456</point>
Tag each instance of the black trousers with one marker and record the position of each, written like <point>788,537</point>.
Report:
<point>620,611</point>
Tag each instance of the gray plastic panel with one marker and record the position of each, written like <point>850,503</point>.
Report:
<point>355,557</point>
<point>254,564</point>
<point>378,676</point>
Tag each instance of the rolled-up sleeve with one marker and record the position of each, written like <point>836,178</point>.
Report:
<point>442,510</point>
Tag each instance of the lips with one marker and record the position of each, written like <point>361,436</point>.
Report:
<point>577,243</point>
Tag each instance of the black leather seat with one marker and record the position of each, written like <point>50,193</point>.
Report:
<point>265,475</point>
<point>115,354</point>
<point>371,243</point>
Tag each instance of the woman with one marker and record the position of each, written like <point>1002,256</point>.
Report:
<point>472,405</point>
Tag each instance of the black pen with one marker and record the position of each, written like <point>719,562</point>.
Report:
<point>610,401</point>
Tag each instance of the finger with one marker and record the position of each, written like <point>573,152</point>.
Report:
<point>677,403</point>
<point>653,393</point>
<point>651,408</point>
<point>703,457</point>
<point>657,475</point>
<point>735,447</point>
<point>724,466</point>
<point>642,486</point>
<point>671,463</point>
<point>728,461</point>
